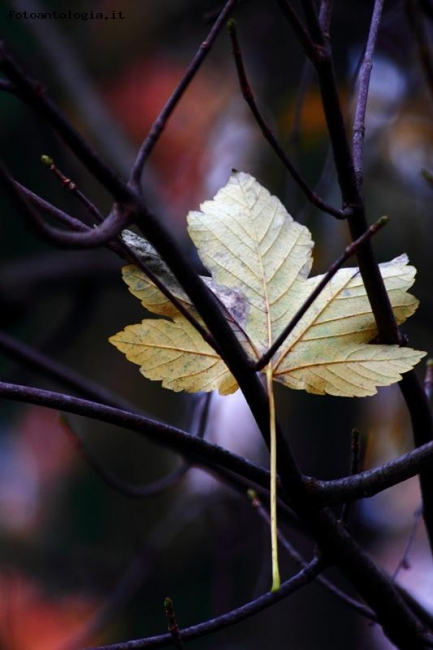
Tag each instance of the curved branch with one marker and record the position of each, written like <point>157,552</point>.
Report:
<point>371,482</point>
<point>110,228</point>
<point>127,489</point>
<point>301,579</point>
<point>66,376</point>
<point>84,237</point>
<point>162,119</point>
<point>268,134</point>
<point>139,491</point>
<point>199,451</point>
<point>399,622</point>
<point>52,210</point>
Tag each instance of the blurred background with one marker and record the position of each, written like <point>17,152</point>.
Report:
<point>80,563</point>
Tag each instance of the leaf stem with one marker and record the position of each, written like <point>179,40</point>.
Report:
<point>276,581</point>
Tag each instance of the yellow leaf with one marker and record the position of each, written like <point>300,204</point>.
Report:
<point>260,258</point>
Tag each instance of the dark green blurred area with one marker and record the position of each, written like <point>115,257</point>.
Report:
<point>71,535</point>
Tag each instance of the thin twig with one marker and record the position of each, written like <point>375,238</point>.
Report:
<point>162,119</point>
<point>267,132</point>
<point>69,185</point>
<point>111,227</point>
<point>301,579</point>
<point>125,488</point>
<point>364,84</point>
<point>199,451</point>
<point>349,251</point>
<point>63,217</point>
<point>370,482</point>
<point>173,626</point>
<point>315,28</point>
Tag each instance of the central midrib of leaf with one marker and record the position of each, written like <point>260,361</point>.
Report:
<point>265,284</point>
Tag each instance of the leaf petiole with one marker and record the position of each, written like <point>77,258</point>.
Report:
<point>276,581</point>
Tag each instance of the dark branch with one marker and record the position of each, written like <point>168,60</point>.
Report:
<point>386,324</point>
<point>138,491</point>
<point>112,226</point>
<point>198,451</point>
<point>337,545</point>
<point>367,484</point>
<point>267,132</point>
<point>364,83</point>
<point>301,579</point>
<point>125,488</point>
<point>162,119</point>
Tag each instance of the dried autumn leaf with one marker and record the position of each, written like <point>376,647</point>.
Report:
<point>260,258</point>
